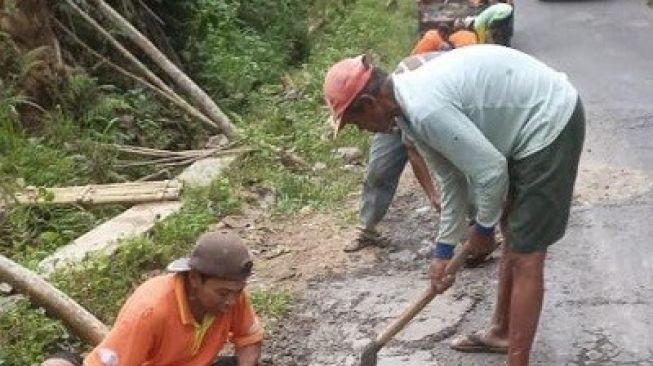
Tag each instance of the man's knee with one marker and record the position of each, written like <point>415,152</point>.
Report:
<point>525,264</point>
<point>375,178</point>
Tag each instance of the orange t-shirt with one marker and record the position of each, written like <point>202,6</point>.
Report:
<point>156,328</point>
<point>463,38</point>
<point>430,42</point>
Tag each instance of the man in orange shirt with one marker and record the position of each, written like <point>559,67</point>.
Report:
<point>433,40</point>
<point>462,36</point>
<point>185,318</point>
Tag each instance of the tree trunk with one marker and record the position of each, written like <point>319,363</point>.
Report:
<point>82,323</point>
<point>182,80</point>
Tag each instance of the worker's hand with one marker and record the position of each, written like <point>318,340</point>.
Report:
<point>440,281</point>
<point>479,244</point>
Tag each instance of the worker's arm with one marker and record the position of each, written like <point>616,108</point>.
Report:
<point>423,176</point>
<point>451,133</point>
<point>249,355</point>
<point>130,340</point>
<point>464,155</point>
<point>246,332</point>
<point>430,42</point>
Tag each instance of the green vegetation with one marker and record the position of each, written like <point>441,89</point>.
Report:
<point>263,67</point>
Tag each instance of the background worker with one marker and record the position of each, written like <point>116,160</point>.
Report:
<point>498,122</point>
<point>187,316</point>
<point>433,40</point>
<point>493,25</point>
<point>461,36</point>
<point>388,156</point>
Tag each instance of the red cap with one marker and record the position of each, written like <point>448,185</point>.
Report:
<point>342,84</point>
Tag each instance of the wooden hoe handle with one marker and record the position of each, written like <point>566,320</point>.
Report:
<point>424,299</point>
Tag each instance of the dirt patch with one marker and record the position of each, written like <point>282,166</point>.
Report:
<point>599,183</point>
<point>294,250</point>
<point>342,300</point>
<point>352,298</point>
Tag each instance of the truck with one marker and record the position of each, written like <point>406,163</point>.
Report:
<point>434,13</point>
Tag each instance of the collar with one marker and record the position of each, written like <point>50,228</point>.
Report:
<point>182,301</point>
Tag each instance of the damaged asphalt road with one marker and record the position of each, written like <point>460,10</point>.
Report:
<point>599,278</point>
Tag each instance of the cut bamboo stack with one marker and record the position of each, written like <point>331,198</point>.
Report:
<point>132,192</point>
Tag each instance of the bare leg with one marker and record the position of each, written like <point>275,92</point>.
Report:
<point>498,332</point>
<point>525,304</point>
<point>501,318</point>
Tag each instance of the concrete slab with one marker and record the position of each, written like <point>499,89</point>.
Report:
<point>136,220</point>
<point>203,172</point>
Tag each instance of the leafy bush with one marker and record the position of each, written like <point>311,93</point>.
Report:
<point>239,45</point>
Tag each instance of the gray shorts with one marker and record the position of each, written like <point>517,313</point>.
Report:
<point>541,189</point>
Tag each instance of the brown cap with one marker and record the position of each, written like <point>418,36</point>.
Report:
<point>217,254</point>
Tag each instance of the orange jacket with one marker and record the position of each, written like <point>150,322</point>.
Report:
<point>463,38</point>
<point>431,41</point>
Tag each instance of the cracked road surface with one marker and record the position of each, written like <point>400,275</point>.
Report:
<point>599,278</point>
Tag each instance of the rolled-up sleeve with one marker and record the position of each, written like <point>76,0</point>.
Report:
<point>451,133</point>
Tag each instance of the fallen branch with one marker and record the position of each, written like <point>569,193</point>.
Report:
<point>165,172</point>
<point>179,77</point>
<point>146,151</point>
<point>166,158</point>
<point>207,155</point>
<point>288,158</point>
<point>82,323</point>
<point>158,161</point>
<point>170,94</point>
<point>172,158</point>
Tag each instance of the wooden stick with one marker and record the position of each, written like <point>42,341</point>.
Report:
<point>184,159</point>
<point>160,173</point>
<point>151,162</point>
<point>157,152</point>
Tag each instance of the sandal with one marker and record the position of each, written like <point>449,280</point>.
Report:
<point>473,343</point>
<point>366,238</point>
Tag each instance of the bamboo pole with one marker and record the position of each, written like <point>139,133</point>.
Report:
<point>81,322</point>
<point>173,98</point>
<point>179,77</point>
<point>133,192</point>
<point>178,100</point>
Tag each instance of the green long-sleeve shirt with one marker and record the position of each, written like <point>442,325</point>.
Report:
<point>472,109</point>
